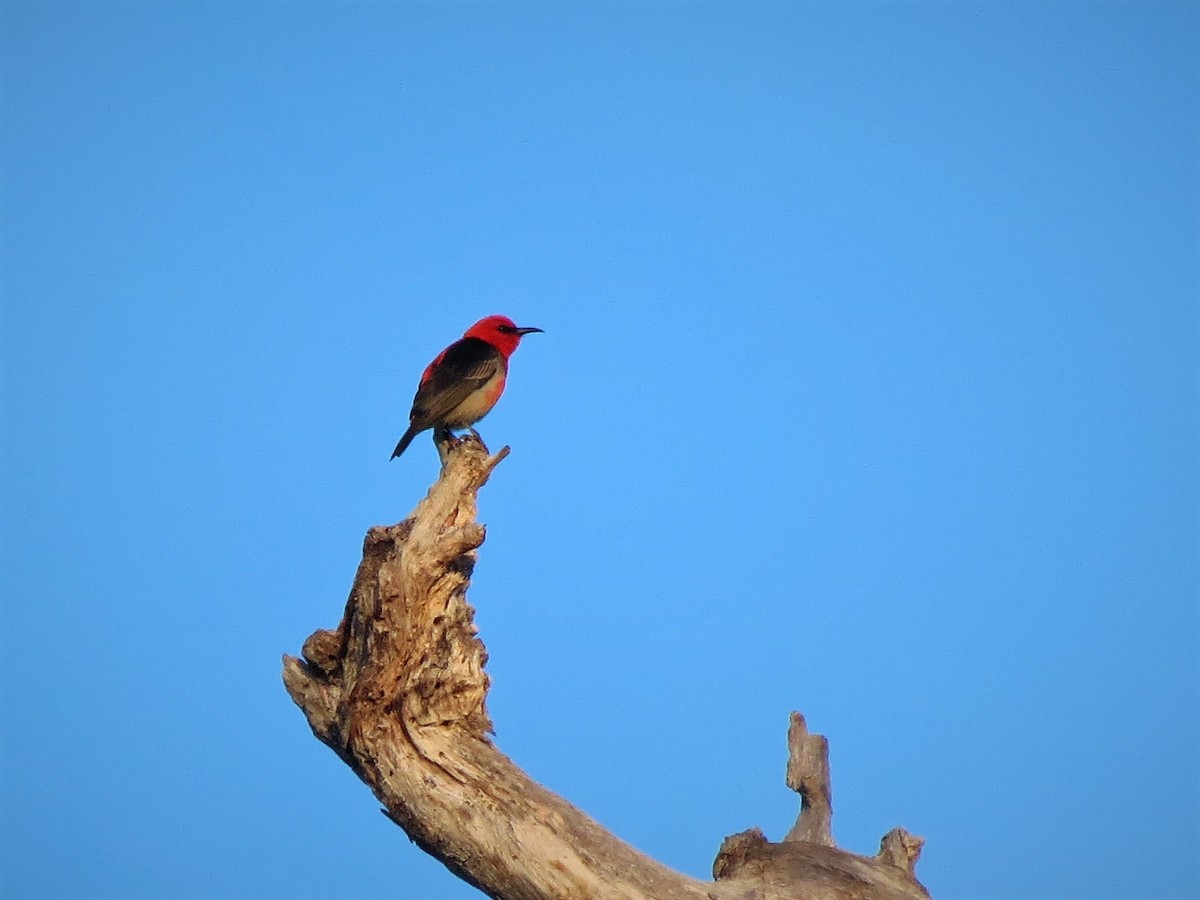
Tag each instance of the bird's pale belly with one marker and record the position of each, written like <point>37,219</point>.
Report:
<point>478,405</point>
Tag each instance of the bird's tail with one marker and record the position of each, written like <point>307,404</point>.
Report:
<point>412,432</point>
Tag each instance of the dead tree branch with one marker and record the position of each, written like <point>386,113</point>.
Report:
<point>398,691</point>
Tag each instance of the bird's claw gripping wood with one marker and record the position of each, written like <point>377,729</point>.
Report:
<point>447,442</point>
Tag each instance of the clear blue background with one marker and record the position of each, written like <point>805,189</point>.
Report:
<point>869,388</point>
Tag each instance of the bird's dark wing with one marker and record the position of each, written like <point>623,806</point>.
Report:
<point>464,367</point>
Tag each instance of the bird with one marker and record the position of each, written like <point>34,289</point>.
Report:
<point>466,379</point>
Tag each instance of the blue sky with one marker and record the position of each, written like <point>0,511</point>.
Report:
<point>869,388</point>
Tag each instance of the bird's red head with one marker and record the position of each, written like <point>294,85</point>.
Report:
<point>500,332</point>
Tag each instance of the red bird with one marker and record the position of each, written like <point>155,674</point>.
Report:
<point>462,385</point>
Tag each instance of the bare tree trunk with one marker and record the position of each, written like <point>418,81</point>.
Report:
<point>398,691</point>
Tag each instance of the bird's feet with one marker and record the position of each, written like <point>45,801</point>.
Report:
<point>444,436</point>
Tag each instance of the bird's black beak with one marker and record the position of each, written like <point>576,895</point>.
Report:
<point>524,331</point>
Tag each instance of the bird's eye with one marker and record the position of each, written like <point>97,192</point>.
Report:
<point>507,329</point>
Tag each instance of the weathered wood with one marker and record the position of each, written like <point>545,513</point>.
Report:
<point>902,850</point>
<point>399,692</point>
<point>808,775</point>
